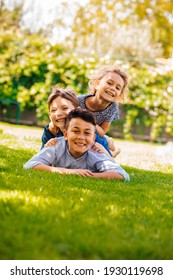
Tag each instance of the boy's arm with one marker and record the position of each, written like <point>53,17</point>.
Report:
<point>80,172</point>
<point>105,167</point>
<point>46,157</point>
<point>108,175</point>
<point>103,128</point>
<point>62,170</point>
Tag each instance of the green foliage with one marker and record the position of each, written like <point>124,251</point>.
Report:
<point>30,66</point>
<point>151,89</point>
<point>52,216</point>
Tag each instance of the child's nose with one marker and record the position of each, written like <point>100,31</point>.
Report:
<point>81,136</point>
<point>59,112</point>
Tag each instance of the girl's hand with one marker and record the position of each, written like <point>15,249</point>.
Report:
<point>51,142</point>
<point>98,148</point>
<point>53,129</point>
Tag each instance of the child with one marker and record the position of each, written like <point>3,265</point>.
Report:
<point>60,103</point>
<point>108,86</point>
<point>73,154</point>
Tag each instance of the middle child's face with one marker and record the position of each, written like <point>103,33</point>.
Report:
<point>59,109</point>
<point>80,136</point>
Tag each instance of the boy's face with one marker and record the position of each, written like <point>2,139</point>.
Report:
<point>80,136</point>
<point>110,87</point>
<point>59,109</point>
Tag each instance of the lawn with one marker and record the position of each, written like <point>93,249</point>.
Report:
<point>51,216</point>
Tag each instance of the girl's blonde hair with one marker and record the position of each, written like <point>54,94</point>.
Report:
<point>102,72</point>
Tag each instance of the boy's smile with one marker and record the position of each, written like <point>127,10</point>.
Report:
<point>80,136</point>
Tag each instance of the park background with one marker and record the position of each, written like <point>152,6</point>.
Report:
<point>57,217</point>
<point>135,35</point>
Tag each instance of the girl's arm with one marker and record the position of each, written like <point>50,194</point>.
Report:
<point>103,128</point>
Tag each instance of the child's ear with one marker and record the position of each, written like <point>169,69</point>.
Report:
<point>121,97</point>
<point>96,83</point>
<point>94,137</point>
<point>65,134</point>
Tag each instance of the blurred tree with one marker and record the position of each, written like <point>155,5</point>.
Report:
<point>103,25</point>
<point>10,19</point>
<point>30,65</point>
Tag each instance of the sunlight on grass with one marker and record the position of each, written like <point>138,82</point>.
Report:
<point>28,199</point>
<point>51,216</point>
<point>113,210</point>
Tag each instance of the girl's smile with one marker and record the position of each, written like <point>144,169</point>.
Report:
<point>110,87</point>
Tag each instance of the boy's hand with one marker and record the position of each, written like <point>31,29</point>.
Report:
<point>51,142</point>
<point>79,172</point>
<point>53,129</point>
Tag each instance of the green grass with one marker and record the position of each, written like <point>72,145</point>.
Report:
<point>51,216</point>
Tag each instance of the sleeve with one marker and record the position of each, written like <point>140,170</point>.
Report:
<point>46,156</point>
<point>102,163</point>
<point>103,141</point>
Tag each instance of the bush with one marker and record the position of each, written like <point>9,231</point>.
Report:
<point>30,65</point>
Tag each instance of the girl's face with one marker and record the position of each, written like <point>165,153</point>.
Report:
<point>59,109</point>
<point>110,87</point>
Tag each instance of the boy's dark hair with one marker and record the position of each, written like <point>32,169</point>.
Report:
<point>64,93</point>
<point>83,114</point>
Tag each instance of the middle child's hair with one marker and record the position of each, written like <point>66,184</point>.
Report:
<point>64,93</point>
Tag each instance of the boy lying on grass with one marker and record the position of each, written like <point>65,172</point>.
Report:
<point>73,154</point>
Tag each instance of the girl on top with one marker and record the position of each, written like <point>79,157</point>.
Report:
<point>108,86</point>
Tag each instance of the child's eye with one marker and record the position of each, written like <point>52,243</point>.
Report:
<point>65,108</point>
<point>109,83</point>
